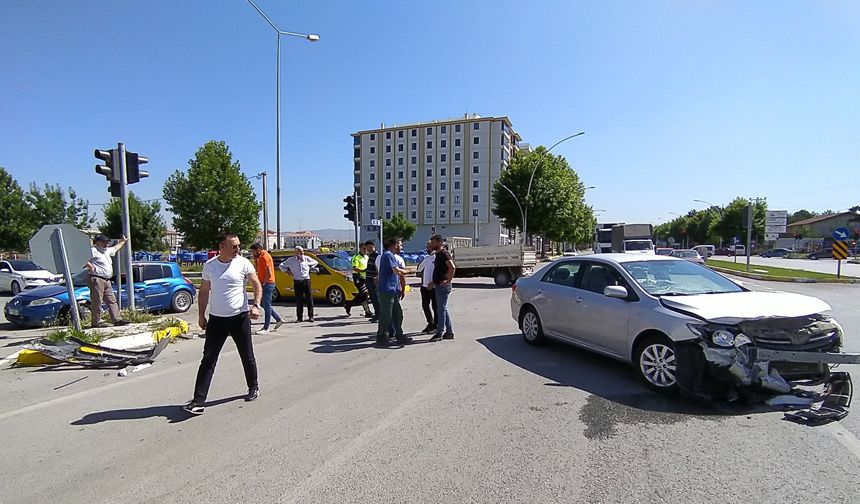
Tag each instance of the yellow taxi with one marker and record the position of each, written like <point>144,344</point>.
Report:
<point>332,280</point>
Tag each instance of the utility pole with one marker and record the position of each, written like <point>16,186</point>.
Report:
<point>750,210</point>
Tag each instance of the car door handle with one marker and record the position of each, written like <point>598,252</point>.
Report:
<point>165,284</point>
<point>578,299</point>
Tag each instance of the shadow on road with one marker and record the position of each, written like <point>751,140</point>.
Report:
<point>463,285</point>
<point>172,413</point>
<point>617,393</point>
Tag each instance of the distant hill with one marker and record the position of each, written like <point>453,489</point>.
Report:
<point>335,234</point>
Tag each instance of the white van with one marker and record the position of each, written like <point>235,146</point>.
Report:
<point>739,250</point>
<point>705,251</point>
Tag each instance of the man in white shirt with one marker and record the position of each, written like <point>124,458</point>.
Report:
<point>299,266</point>
<point>428,297</point>
<point>100,268</point>
<point>223,291</point>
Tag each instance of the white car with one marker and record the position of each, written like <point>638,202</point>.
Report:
<point>17,275</point>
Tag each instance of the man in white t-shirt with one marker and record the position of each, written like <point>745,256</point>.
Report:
<point>428,297</point>
<point>225,277</point>
<point>100,267</point>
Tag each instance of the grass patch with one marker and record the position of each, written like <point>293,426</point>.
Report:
<point>57,335</point>
<point>136,316</point>
<point>771,271</point>
<point>160,325</point>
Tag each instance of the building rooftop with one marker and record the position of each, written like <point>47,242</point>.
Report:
<point>821,218</point>
<point>438,122</point>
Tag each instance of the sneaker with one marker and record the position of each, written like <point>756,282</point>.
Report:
<point>382,343</point>
<point>278,324</point>
<point>297,321</point>
<point>436,337</point>
<point>429,329</point>
<point>194,408</point>
<point>348,309</point>
<point>262,331</point>
<point>404,340</point>
<point>448,335</point>
<point>121,322</point>
<point>253,394</point>
<point>311,320</point>
<point>374,319</point>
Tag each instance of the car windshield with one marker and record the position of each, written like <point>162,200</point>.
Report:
<point>336,262</point>
<point>24,266</point>
<point>685,253</point>
<point>638,245</point>
<point>678,278</point>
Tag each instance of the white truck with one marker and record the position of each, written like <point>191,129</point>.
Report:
<point>633,238</point>
<point>504,263</point>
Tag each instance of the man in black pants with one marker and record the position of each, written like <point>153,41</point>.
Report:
<point>371,274</point>
<point>428,297</point>
<point>223,292</point>
<point>299,267</point>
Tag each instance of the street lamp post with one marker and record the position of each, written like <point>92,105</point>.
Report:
<point>262,175</point>
<point>719,209</point>
<point>312,38</point>
<point>522,214</point>
<point>531,178</point>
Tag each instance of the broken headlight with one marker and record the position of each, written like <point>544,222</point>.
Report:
<point>718,335</point>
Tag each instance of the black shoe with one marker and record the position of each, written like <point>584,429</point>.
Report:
<point>121,322</point>
<point>297,321</point>
<point>436,337</point>
<point>404,340</point>
<point>311,320</point>
<point>448,335</point>
<point>253,394</point>
<point>194,407</point>
<point>382,343</point>
<point>374,319</point>
<point>429,329</point>
<point>348,309</point>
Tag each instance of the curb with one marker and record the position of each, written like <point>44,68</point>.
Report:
<point>770,278</point>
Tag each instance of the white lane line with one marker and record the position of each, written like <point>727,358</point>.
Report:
<point>845,437</point>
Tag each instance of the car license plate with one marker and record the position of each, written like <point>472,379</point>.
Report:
<point>13,311</point>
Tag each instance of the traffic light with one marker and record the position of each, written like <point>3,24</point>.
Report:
<point>132,165</point>
<point>110,169</point>
<point>349,208</point>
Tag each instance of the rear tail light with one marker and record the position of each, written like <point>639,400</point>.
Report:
<point>187,281</point>
<point>514,286</point>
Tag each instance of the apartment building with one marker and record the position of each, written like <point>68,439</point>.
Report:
<point>438,174</point>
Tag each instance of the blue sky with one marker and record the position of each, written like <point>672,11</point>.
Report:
<point>680,100</point>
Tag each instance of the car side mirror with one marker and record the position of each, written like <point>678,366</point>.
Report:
<point>5,270</point>
<point>616,291</point>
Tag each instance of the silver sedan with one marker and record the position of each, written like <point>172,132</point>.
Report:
<point>673,319</point>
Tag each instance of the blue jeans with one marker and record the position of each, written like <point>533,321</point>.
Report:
<point>443,318</point>
<point>268,312</point>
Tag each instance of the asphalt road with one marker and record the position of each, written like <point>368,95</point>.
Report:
<point>484,418</point>
<point>818,265</point>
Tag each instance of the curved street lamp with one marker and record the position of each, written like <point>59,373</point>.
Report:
<point>531,178</point>
<point>522,214</point>
<point>311,37</point>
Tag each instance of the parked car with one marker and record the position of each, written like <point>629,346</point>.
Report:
<point>705,251</point>
<point>777,252</point>
<point>825,253</point>
<point>331,280</point>
<point>570,252</point>
<point>724,251</point>
<point>17,275</point>
<point>738,250</point>
<point>158,286</point>
<point>664,251</point>
<point>689,255</point>
<point>664,315</point>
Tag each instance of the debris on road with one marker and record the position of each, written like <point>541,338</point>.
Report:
<point>85,354</point>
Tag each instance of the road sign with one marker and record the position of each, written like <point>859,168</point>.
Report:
<point>771,236</point>
<point>45,251</point>
<point>840,250</point>
<point>375,222</point>
<point>775,221</point>
<point>841,234</point>
<point>671,240</point>
<point>736,240</point>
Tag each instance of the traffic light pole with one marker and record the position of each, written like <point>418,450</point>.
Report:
<point>126,226</point>
<point>355,222</point>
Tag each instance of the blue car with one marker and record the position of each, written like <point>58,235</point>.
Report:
<point>158,286</point>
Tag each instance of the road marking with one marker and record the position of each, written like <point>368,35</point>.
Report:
<point>845,437</point>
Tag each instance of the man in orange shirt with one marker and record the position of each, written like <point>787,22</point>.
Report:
<point>266,274</point>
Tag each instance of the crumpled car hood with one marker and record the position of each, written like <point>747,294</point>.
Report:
<point>733,307</point>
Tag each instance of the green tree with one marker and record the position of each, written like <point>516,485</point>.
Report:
<point>801,215</point>
<point>147,225</point>
<point>50,206</point>
<point>556,204</point>
<point>398,226</point>
<point>214,197</point>
<point>16,226</point>
<point>731,222</point>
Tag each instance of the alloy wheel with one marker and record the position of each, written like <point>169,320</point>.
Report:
<point>657,363</point>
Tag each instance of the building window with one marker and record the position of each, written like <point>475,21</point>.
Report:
<point>414,160</point>
<point>456,142</point>
<point>429,173</point>
<point>372,203</point>
<point>388,215</point>
<point>429,200</point>
<point>372,215</point>
<point>387,148</point>
<point>475,155</point>
<point>413,187</point>
<point>388,189</point>
<point>373,136</point>
<point>476,140</point>
<point>400,134</point>
<point>474,184</point>
<point>428,214</point>
<point>372,163</point>
<point>443,171</point>
<point>443,158</point>
<point>456,128</point>
<point>400,174</point>
<point>387,175</point>
<point>444,129</point>
<point>400,147</point>
<point>456,199</point>
<point>414,145</point>
<point>372,189</point>
<point>429,131</point>
<point>388,135</point>
<point>474,198</point>
<point>429,144</point>
<point>475,212</point>
<point>429,158</point>
<point>456,156</point>
<point>400,161</point>
<point>413,201</point>
<point>457,187</point>
<point>388,202</point>
<point>441,214</point>
<point>399,201</point>
<point>475,170</point>
<point>414,132</point>
<point>399,187</point>
<point>414,215</point>
<point>456,213</point>
<point>387,162</point>
<point>475,126</point>
<point>429,186</point>
<point>372,176</point>
<point>373,150</point>
<point>456,170</point>
<point>441,200</point>
<point>443,186</point>
<point>414,174</point>
<point>443,143</point>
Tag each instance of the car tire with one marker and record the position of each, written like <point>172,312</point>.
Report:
<point>276,295</point>
<point>502,278</point>
<point>335,296</point>
<point>181,301</point>
<point>655,361</point>
<point>531,327</point>
<point>15,288</point>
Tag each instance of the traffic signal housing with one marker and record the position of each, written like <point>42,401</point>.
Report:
<point>132,166</point>
<point>349,208</point>
<point>110,169</point>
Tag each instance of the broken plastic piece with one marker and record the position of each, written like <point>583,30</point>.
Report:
<point>837,398</point>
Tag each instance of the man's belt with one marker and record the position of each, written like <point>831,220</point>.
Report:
<point>99,276</point>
